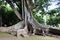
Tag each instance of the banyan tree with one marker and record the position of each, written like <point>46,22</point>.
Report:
<point>25,14</point>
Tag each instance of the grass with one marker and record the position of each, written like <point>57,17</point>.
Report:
<point>4,34</point>
<point>35,37</point>
<point>39,38</point>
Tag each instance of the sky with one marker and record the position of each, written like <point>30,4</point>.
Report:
<point>53,5</point>
<point>50,7</point>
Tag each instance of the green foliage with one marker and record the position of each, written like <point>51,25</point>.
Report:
<point>53,16</point>
<point>8,16</point>
<point>39,19</point>
<point>54,21</point>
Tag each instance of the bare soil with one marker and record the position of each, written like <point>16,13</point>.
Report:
<point>11,37</point>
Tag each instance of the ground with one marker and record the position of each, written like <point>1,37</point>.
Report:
<point>6,36</point>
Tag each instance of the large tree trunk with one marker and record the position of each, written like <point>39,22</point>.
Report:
<point>31,19</point>
<point>28,16</point>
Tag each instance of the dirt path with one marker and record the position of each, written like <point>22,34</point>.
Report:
<point>5,36</point>
<point>8,38</point>
<point>29,38</point>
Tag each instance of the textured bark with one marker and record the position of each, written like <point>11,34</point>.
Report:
<point>32,20</point>
<point>23,9</point>
<point>55,30</point>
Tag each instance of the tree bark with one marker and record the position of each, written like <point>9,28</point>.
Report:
<point>32,20</point>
